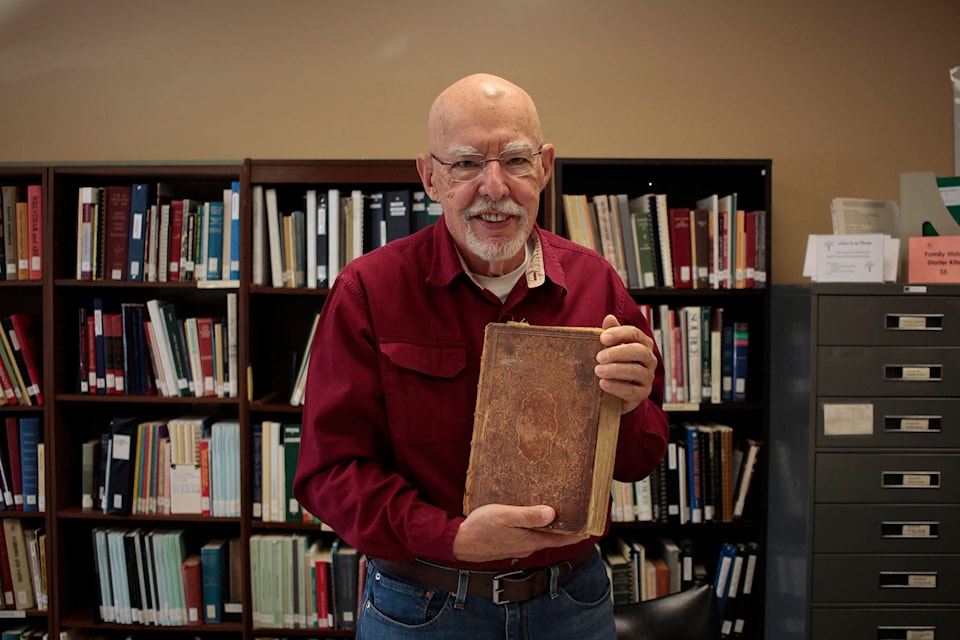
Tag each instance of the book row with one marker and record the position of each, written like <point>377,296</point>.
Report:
<point>22,462</point>
<point>704,354</point>
<point>702,478</point>
<point>642,569</point>
<point>148,233</point>
<point>305,242</point>
<point>25,631</point>
<point>23,565</point>
<point>184,465</point>
<point>652,244</point>
<point>148,349</point>
<point>152,577</point>
<point>299,582</point>
<point>21,244</point>
<point>21,362</point>
<point>276,449</point>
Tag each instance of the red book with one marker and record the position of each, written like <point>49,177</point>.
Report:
<point>119,356</point>
<point>35,236</point>
<point>6,386</point>
<point>193,589</point>
<point>175,241</point>
<point>112,340</point>
<point>205,340</point>
<point>117,232</point>
<point>13,452</point>
<point>28,328</point>
<point>322,578</point>
<point>205,477</point>
<point>680,248</point>
<point>91,354</point>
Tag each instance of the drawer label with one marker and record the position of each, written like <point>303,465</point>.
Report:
<point>847,419</point>
<point>916,373</point>
<point>921,634</point>
<point>922,580</point>
<point>915,424</point>
<point>916,531</point>
<point>912,322</point>
<point>916,480</point>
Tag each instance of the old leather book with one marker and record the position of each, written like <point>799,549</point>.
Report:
<point>544,432</point>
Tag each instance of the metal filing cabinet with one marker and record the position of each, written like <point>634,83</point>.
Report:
<point>884,529</point>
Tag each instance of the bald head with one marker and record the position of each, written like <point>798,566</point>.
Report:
<point>482,100</point>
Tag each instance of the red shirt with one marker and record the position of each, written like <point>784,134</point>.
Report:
<point>392,384</point>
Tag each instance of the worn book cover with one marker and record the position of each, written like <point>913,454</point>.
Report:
<point>544,432</point>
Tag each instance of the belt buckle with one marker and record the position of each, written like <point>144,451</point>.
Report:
<point>497,589</point>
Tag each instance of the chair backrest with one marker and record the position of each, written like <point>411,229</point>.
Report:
<point>686,615</point>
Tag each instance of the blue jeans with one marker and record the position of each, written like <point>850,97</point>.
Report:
<point>579,609</point>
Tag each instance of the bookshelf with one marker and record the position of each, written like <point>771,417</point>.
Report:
<point>684,183</point>
<point>21,296</point>
<point>267,367</point>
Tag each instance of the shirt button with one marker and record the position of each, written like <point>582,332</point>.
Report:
<point>515,561</point>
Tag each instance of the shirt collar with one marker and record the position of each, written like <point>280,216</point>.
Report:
<point>447,263</point>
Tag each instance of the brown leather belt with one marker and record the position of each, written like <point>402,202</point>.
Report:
<point>502,587</point>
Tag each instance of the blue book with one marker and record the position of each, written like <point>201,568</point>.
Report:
<point>741,341</point>
<point>726,364</point>
<point>257,471</point>
<point>215,242</point>
<point>694,476</point>
<point>139,205</point>
<point>721,581</point>
<point>396,210</point>
<point>233,269</point>
<point>29,467</point>
<point>213,577</point>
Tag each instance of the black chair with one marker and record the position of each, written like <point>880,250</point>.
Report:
<point>686,615</point>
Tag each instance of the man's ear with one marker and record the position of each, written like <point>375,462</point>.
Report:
<point>547,156</point>
<point>426,170</point>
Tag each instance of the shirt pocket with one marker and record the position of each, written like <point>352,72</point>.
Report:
<point>427,394</point>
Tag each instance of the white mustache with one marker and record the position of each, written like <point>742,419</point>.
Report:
<point>497,206</point>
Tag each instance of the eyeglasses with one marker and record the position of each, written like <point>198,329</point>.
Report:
<point>467,168</point>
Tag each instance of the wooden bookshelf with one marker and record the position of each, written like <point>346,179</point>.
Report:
<point>684,182</point>
<point>284,315</point>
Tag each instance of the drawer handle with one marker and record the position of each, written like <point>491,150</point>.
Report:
<point>906,633</point>
<point>913,372</point>
<point>910,479</point>
<point>912,424</point>
<point>914,322</point>
<point>908,579</point>
<point>890,529</point>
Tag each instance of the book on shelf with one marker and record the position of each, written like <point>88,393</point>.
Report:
<point>19,564</point>
<point>11,195</point>
<point>540,413</point>
<point>30,437</point>
<point>750,452</point>
<point>680,248</point>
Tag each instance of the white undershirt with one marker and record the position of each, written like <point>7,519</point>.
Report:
<point>501,286</point>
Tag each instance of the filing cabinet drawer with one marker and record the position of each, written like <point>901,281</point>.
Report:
<point>888,371</point>
<point>914,478</point>
<point>885,579</point>
<point>901,423</point>
<point>885,624</point>
<point>894,528</point>
<point>888,320</point>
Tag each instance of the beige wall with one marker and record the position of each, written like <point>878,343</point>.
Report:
<point>843,95</point>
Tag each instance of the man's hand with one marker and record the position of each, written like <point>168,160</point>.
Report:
<point>627,365</point>
<point>497,531</point>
